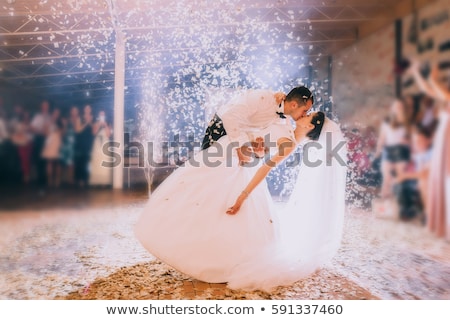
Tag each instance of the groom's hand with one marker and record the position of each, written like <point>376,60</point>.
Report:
<point>258,147</point>
<point>244,153</point>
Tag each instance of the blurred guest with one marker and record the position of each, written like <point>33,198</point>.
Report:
<point>394,146</point>
<point>370,167</point>
<point>413,184</point>
<point>4,135</point>
<point>410,107</point>
<point>68,143</point>
<point>4,138</point>
<point>358,164</point>
<point>83,147</point>
<point>438,206</point>
<point>100,174</point>
<point>355,143</point>
<point>16,117</point>
<point>23,141</point>
<point>359,160</point>
<point>40,124</point>
<point>428,116</point>
<point>52,149</point>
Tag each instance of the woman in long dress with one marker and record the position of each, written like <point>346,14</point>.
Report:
<point>188,224</point>
<point>438,197</point>
<point>101,175</point>
<point>52,149</point>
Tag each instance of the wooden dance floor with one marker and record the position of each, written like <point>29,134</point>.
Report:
<point>79,244</point>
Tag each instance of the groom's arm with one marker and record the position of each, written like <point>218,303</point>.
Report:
<point>234,120</point>
<point>237,116</point>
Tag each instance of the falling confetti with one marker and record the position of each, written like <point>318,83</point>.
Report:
<point>178,57</point>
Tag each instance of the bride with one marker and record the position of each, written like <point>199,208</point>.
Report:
<point>215,220</point>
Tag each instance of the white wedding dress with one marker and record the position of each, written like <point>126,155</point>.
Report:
<point>185,223</point>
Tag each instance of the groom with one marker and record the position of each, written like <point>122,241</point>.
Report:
<point>256,109</point>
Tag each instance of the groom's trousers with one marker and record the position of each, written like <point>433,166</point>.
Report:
<point>214,131</point>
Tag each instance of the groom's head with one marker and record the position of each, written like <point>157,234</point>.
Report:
<point>298,102</point>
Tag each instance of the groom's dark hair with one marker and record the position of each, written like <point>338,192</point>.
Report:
<point>300,95</point>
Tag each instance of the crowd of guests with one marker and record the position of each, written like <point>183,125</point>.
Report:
<point>405,148</point>
<point>407,159</point>
<point>53,147</point>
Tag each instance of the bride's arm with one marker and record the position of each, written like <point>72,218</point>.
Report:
<point>441,93</point>
<point>285,148</point>
<point>431,87</point>
<point>423,85</point>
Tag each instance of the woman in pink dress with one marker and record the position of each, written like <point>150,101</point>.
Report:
<point>438,207</point>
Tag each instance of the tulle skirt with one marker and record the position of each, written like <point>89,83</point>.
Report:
<point>185,222</point>
<point>264,245</point>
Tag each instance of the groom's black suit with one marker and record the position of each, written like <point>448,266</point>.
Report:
<point>216,130</point>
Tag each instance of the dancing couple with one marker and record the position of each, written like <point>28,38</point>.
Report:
<point>218,223</point>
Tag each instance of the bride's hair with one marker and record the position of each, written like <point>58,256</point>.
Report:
<point>317,121</point>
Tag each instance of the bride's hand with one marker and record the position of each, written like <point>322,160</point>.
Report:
<point>414,65</point>
<point>233,210</point>
<point>237,205</point>
<point>279,96</point>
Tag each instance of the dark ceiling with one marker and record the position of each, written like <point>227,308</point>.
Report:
<point>66,50</point>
